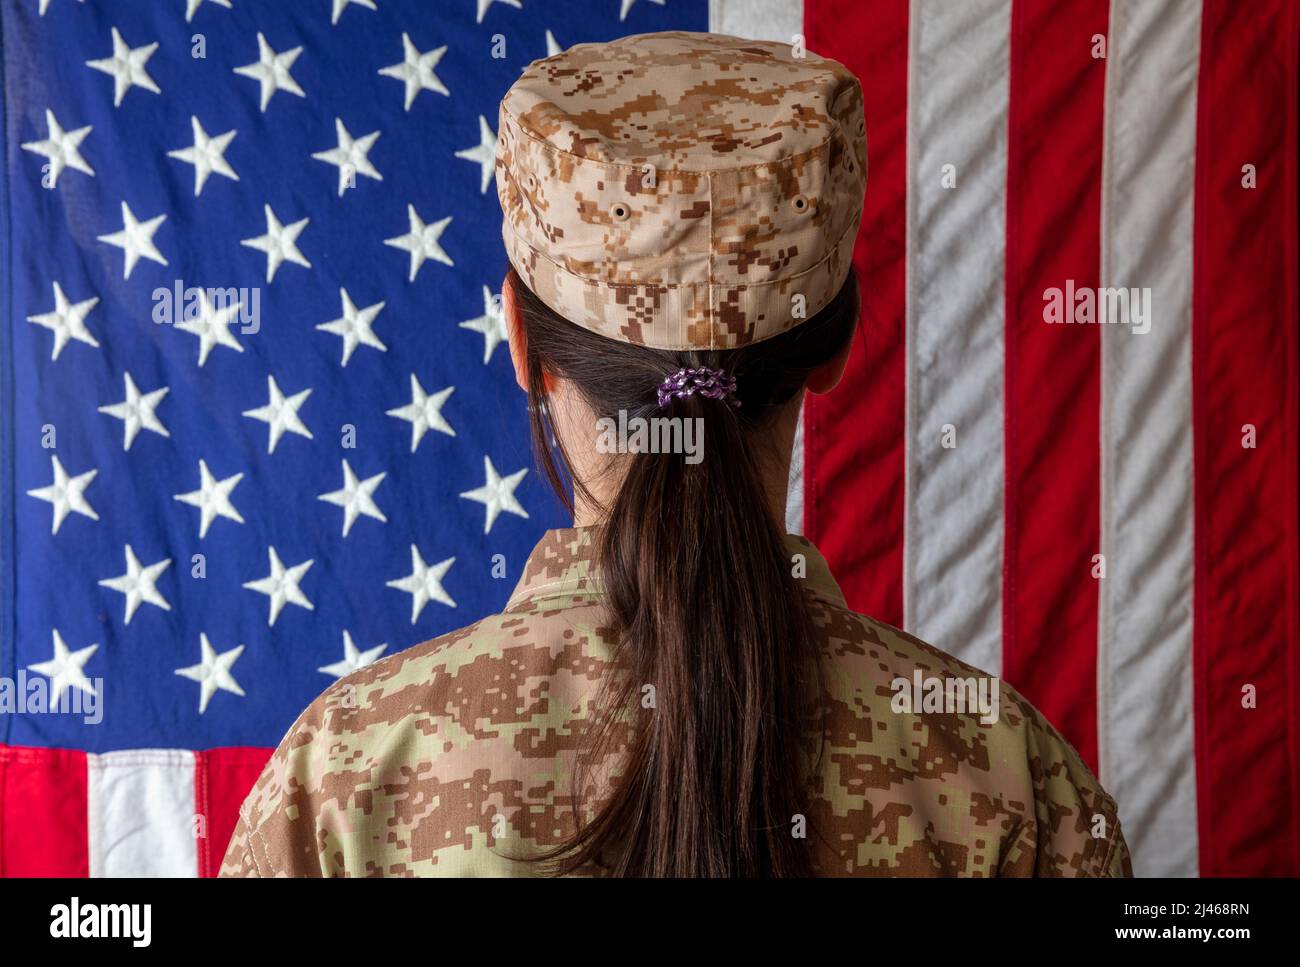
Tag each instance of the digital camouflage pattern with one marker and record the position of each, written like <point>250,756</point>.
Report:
<point>457,755</point>
<point>683,190</point>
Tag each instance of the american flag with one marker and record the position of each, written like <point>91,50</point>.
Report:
<point>259,427</point>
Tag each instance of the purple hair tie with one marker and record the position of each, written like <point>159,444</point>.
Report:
<point>713,383</point>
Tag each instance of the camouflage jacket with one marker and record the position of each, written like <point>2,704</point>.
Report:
<point>456,756</point>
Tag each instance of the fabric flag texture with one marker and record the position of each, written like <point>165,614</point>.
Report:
<point>259,429</point>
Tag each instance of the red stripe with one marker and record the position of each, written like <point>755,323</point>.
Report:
<point>1053,211</point>
<point>1244,341</point>
<point>1057,98</point>
<point>854,437</point>
<point>43,829</point>
<point>222,779</point>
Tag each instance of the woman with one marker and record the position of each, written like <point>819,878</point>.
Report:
<point>676,687</point>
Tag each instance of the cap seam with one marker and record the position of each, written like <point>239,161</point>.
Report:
<point>546,145</point>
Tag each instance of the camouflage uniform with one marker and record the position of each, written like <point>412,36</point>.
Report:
<point>455,757</point>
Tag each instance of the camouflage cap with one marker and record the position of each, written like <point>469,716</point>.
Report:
<point>683,190</point>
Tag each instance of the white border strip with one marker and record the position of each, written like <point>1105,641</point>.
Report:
<point>140,813</point>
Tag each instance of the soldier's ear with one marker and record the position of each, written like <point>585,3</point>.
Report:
<point>518,337</point>
<point>827,376</point>
<point>515,331</point>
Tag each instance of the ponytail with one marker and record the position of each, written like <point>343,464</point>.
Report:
<point>711,623</point>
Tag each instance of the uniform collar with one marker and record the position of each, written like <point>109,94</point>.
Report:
<point>561,565</point>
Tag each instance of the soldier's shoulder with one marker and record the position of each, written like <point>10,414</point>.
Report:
<point>1002,760</point>
<point>400,683</point>
<point>867,645</point>
<point>879,659</point>
<point>359,709</point>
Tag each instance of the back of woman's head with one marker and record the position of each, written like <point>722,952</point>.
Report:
<point>702,597</point>
<point>680,212</point>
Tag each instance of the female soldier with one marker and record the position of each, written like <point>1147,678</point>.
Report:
<point>676,687</point>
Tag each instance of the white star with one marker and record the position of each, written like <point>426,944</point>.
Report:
<point>67,321</point>
<point>552,45</point>
<point>424,412</point>
<point>212,498</point>
<point>212,326</point>
<point>272,70</point>
<point>136,240</point>
<point>497,494</point>
<point>492,324</point>
<point>207,155</point>
<point>355,498</point>
<point>127,67</point>
<point>424,583</point>
<point>213,671</point>
<point>281,586</point>
<point>627,5</point>
<point>484,4</point>
<point>138,583</point>
<point>416,70</point>
<point>61,148</point>
<point>137,412</point>
<point>350,157</point>
<point>483,154</point>
<point>191,6</point>
<point>422,241</point>
<point>64,669</point>
<point>280,413</point>
<point>45,5</point>
<point>353,658</point>
<point>341,5</point>
<point>67,494</point>
<point>355,326</point>
<point>279,243</point>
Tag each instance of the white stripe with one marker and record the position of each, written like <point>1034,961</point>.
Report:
<point>1144,622</point>
<point>959,55</point>
<point>794,496</point>
<point>779,20</point>
<point>140,813</point>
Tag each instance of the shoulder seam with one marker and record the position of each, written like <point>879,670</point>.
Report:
<point>1115,839</point>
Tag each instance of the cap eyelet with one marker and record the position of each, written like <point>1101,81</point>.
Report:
<point>620,211</point>
<point>800,204</point>
<point>530,181</point>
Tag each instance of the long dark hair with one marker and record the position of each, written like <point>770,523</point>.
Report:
<point>704,605</point>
